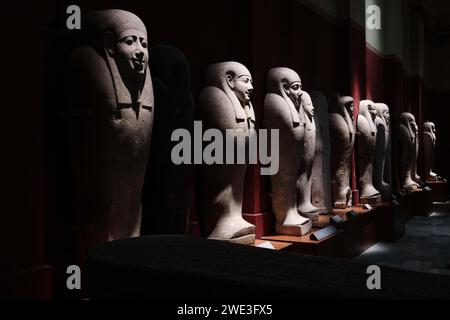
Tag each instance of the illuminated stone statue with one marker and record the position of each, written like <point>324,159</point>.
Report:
<point>112,84</point>
<point>415,174</point>
<point>429,144</point>
<point>382,152</point>
<point>366,146</point>
<point>342,139</point>
<point>407,137</point>
<point>321,171</point>
<point>225,104</point>
<point>304,182</point>
<point>283,111</point>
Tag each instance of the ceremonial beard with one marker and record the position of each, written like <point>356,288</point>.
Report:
<point>134,83</point>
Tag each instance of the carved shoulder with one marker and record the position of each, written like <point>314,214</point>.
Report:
<point>404,133</point>
<point>337,123</point>
<point>216,109</point>
<point>274,104</point>
<point>362,124</point>
<point>277,112</point>
<point>89,71</point>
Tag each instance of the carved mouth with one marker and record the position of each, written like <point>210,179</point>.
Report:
<point>138,63</point>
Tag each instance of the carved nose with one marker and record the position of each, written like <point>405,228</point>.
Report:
<point>250,90</point>
<point>139,55</point>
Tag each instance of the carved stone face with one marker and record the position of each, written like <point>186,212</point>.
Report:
<point>386,115</point>
<point>429,127</point>
<point>242,85</point>
<point>413,125</point>
<point>383,112</point>
<point>131,53</point>
<point>372,110</point>
<point>407,119</point>
<point>307,105</point>
<point>294,92</point>
<point>350,109</point>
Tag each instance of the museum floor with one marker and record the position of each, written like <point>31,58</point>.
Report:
<point>425,246</point>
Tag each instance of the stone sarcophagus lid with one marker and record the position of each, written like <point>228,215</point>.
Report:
<point>111,82</point>
<point>342,140</point>
<point>283,111</point>
<point>225,105</point>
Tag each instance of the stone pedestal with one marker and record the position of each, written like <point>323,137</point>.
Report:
<point>439,190</point>
<point>374,200</point>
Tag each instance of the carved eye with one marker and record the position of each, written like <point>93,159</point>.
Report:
<point>129,41</point>
<point>296,87</point>
<point>144,44</point>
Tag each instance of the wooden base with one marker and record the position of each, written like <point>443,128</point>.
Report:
<point>370,200</point>
<point>417,203</point>
<point>327,247</point>
<point>279,246</point>
<point>393,217</point>
<point>354,236</point>
<point>360,232</point>
<point>439,190</point>
<point>324,221</point>
<point>391,220</point>
<point>363,228</point>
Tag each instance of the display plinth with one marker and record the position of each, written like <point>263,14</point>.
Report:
<point>279,246</point>
<point>356,233</point>
<point>330,246</point>
<point>439,190</point>
<point>359,229</point>
<point>391,220</point>
<point>375,200</point>
<point>417,203</point>
<point>323,221</point>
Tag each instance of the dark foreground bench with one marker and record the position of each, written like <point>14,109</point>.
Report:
<point>190,269</point>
